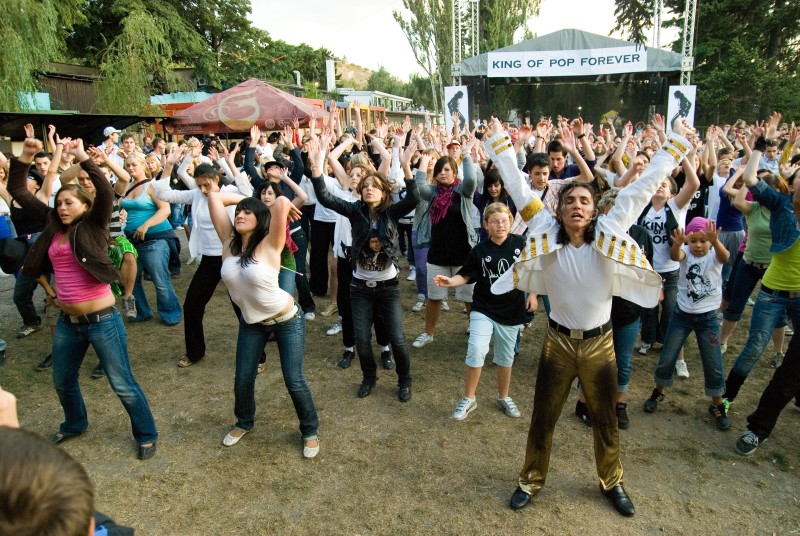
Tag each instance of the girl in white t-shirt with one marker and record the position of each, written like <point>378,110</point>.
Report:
<point>700,255</point>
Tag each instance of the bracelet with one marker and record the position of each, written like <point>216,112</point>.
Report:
<point>582,136</point>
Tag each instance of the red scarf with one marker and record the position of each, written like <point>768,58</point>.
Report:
<point>444,198</point>
<point>289,242</point>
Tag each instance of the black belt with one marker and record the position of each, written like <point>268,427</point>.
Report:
<point>755,264</point>
<point>791,294</point>
<point>377,284</point>
<point>578,334</point>
<point>91,318</point>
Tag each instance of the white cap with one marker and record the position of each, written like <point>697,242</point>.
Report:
<point>109,131</point>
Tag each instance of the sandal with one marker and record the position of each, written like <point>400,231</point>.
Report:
<point>185,362</point>
<point>262,367</point>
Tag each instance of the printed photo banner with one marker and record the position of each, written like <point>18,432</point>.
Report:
<point>681,101</point>
<point>456,99</point>
<point>632,59</point>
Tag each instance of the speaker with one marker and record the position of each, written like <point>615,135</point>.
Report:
<point>480,88</point>
<point>656,91</point>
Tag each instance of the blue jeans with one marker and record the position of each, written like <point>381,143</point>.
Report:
<point>291,338</point>
<point>706,329</point>
<point>654,327</point>
<point>421,265</point>
<point>767,313</point>
<point>153,257</point>
<point>383,301</point>
<point>624,341</point>
<point>286,280</point>
<point>301,281</point>
<point>110,342</point>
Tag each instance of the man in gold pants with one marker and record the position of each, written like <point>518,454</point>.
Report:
<point>580,261</point>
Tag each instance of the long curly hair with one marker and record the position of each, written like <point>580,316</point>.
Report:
<point>562,237</point>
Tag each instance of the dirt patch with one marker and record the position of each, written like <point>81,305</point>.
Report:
<point>387,467</point>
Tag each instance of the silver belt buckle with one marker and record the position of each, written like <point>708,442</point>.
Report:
<point>371,284</point>
<point>576,334</point>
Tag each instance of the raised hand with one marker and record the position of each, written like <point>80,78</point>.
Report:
<point>29,132</point>
<point>771,132</point>
<point>659,123</point>
<point>408,154</point>
<point>711,232</point>
<point>255,134</point>
<point>213,154</point>
<point>679,236</point>
<point>567,139</point>
<point>577,126</point>
<point>174,156</point>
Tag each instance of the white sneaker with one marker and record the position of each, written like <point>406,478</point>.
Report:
<point>309,315</point>
<point>417,307</point>
<point>508,405</point>
<point>644,348</point>
<point>464,408</point>
<point>412,275</point>
<point>750,302</point>
<point>422,340</point>
<point>335,329</point>
<point>445,307</point>
<point>681,370</point>
<point>723,347</point>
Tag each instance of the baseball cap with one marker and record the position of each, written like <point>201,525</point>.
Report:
<point>454,142</point>
<point>109,131</point>
<point>274,163</point>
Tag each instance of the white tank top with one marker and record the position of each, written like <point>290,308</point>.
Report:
<point>254,288</point>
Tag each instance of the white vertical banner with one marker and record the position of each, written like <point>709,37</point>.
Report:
<point>330,75</point>
<point>681,101</point>
<point>456,99</point>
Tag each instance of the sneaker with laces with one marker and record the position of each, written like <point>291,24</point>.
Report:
<point>464,408</point>
<point>622,416</point>
<point>750,302</point>
<point>582,412</point>
<point>422,340</point>
<point>412,275</point>
<point>723,347</point>
<point>681,370</point>
<point>777,359</point>
<point>644,348</point>
<point>27,329</point>
<point>347,358</point>
<point>309,316</point>
<point>417,307</point>
<point>330,309</point>
<point>335,329</point>
<point>129,306</point>
<point>748,443</point>
<point>508,406</point>
<point>651,403</point>
<point>720,414</point>
<point>445,307</point>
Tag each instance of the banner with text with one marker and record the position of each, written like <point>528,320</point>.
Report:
<point>632,59</point>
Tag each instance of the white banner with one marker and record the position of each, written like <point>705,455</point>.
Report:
<point>632,59</point>
<point>681,100</point>
<point>456,99</point>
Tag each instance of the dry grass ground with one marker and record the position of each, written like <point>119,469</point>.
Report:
<point>389,468</point>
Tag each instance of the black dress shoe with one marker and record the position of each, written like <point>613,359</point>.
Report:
<point>386,360</point>
<point>622,503</point>
<point>365,389</point>
<point>59,438</point>
<point>519,499</point>
<point>46,363</point>
<point>347,357</point>
<point>404,394</point>
<point>147,451</point>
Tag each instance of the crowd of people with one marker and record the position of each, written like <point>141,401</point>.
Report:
<point>621,233</point>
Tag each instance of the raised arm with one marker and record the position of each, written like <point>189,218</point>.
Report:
<point>300,195</point>
<point>692,180</point>
<point>740,201</point>
<point>336,166</point>
<point>18,179</point>
<point>100,213</point>
<point>676,252</point>
<point>217,201</point>
<point>123,177</point>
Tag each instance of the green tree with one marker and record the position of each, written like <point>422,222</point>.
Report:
<point>383,80</point>
<point>33,33</point>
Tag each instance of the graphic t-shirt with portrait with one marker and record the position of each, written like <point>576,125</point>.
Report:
<point>699,282</point>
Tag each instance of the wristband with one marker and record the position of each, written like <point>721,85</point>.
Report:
<point>581,136</point>
<point>760,144</point>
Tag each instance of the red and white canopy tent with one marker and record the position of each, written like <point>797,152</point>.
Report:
<point>240,107</point>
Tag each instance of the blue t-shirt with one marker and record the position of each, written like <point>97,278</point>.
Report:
<point>729,218</point>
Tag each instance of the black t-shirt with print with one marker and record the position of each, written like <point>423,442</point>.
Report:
<point>484,265</point>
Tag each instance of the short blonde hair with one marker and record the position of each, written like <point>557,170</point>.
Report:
<point>496,208</point>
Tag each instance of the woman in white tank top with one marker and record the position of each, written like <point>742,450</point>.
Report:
<point>251,256</point>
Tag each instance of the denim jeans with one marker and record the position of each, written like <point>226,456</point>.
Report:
<point>291,338</point>
<point>731,240</point>
<point>784,385</point>
<point>744,279</point>
<point>385,302</point>
<point>481,329</point>
<point>344,276</point>
<point>767,313</point>
<point>110,342</point>
<point>624,341</point>
<point>706,329</point>
<point>24,287</point>
<point>421,265</point>
<point>286,280</point>
<point>153,257</point>
<point>654,327</point>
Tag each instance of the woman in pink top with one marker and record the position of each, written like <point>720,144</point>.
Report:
<point>74,246</point>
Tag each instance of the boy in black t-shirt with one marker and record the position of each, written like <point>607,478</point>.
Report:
<point>501,316</point>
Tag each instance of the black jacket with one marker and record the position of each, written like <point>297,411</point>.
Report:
<point>358,214</point>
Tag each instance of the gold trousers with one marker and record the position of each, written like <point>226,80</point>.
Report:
<point>563,359</point>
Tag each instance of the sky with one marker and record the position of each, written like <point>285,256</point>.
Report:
<point>365,33</point>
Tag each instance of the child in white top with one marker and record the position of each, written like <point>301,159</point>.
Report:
<point>701,256</point>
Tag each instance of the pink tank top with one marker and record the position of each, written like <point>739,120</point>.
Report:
<point>75,284</point>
